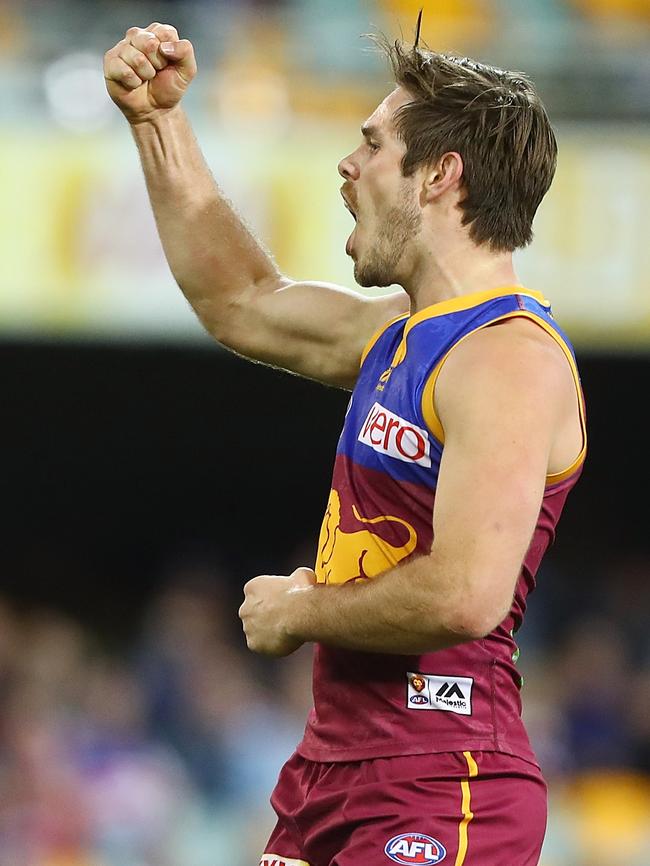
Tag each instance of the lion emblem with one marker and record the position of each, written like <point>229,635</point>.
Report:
<point>362,553</point>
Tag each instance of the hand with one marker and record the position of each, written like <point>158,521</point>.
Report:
<point>266,613</point>
<point>144,77</point>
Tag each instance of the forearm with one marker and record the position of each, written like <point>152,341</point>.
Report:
<point>410,609</point>
<point>211,252</point>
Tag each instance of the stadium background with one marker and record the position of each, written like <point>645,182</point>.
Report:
<point>146,474</point>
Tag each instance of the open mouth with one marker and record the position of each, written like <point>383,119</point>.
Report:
<point>349,247</point>
<point>351,211</point>
<point>349,207</point>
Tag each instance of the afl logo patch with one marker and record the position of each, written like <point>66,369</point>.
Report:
<point>415,848</point>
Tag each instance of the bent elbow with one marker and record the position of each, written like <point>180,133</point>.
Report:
<point>476,624</point>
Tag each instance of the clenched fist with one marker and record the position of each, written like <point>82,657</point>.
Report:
<point>149,71</point>
<point>269,610</point>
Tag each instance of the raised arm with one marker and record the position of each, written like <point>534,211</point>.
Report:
<point>233,284</point>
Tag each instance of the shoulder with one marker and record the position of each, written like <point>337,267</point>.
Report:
<point>513,347</point>
<point>514,363</point>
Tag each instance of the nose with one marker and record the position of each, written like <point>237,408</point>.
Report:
<point>348,169</point>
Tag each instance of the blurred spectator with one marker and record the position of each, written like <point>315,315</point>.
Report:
<point>170,758</point>
<point>612,9</point>
<point>593,685</point>
<point>183,659</point>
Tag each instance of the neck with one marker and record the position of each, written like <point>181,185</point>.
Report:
<point>455,267</point>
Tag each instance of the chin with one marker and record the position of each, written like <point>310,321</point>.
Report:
<point>369,277</point>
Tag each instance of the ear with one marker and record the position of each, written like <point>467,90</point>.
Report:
<point>446,174</point>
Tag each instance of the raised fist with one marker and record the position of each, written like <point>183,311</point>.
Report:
<point>149,71</point>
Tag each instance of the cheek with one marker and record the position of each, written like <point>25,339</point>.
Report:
<point>386,190</point>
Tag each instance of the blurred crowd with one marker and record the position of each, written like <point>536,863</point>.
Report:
<point>163,751</point>
<point>280,59</point>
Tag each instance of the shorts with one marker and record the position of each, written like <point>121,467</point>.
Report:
<point>463,808</point>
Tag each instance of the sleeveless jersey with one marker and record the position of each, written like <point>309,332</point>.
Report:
<point>380,513</point>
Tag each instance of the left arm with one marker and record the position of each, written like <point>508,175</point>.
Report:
<point>500,396</point>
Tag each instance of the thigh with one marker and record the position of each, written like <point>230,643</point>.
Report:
<point>285,845</point>
<point>464,809</point>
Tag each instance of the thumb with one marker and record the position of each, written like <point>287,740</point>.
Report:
<point>303,577</point>
<point>181,54</point>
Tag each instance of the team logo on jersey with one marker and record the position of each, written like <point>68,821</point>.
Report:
<point>415,848</point>
<point>418,682</point>
<point>353,547</point>
<point>389,434</point>
<point>431,692</point>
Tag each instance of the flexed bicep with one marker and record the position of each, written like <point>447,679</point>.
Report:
<point>317,330</point>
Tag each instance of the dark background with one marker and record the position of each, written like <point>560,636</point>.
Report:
<point>119,460</point>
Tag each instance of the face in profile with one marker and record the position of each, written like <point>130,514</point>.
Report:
<point>383,202</point>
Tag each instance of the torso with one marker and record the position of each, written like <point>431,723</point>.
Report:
<point>380,513</point>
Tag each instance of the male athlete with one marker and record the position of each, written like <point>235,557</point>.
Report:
<point>464,435</point>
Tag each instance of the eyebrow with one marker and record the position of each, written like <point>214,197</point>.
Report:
<point>369,131</point>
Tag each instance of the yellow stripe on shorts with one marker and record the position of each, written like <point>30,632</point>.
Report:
<point>466,807</point>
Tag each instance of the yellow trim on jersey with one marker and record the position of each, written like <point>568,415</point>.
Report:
<point>465,302</point>
<point>371,342</point>
<point>431,416</point>
<point>466,808</point>
<point>267,859</point>
<point>452,305</point>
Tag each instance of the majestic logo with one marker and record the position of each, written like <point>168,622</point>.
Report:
<point>448,692</point>
<point>415,848</point>
<point>352,547</point>
<point>389,434</point>
<point>451,694</point>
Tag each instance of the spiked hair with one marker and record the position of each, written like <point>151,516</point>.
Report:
<point>497,123</point>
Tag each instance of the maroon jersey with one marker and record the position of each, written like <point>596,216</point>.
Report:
<point>379,514</point>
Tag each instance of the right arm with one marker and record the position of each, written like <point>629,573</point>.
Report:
<point>233,284</point>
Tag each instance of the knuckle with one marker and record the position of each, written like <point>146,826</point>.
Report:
<point>145,42</point>
<point>132,78</point>
<point>166,32</point>
<point>115,69</point>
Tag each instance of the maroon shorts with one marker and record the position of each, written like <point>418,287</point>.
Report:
<point>460,808</point>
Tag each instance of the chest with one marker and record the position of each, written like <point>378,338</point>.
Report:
<point>384,427</point>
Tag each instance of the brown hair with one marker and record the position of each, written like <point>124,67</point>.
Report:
<point>495,120</point>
